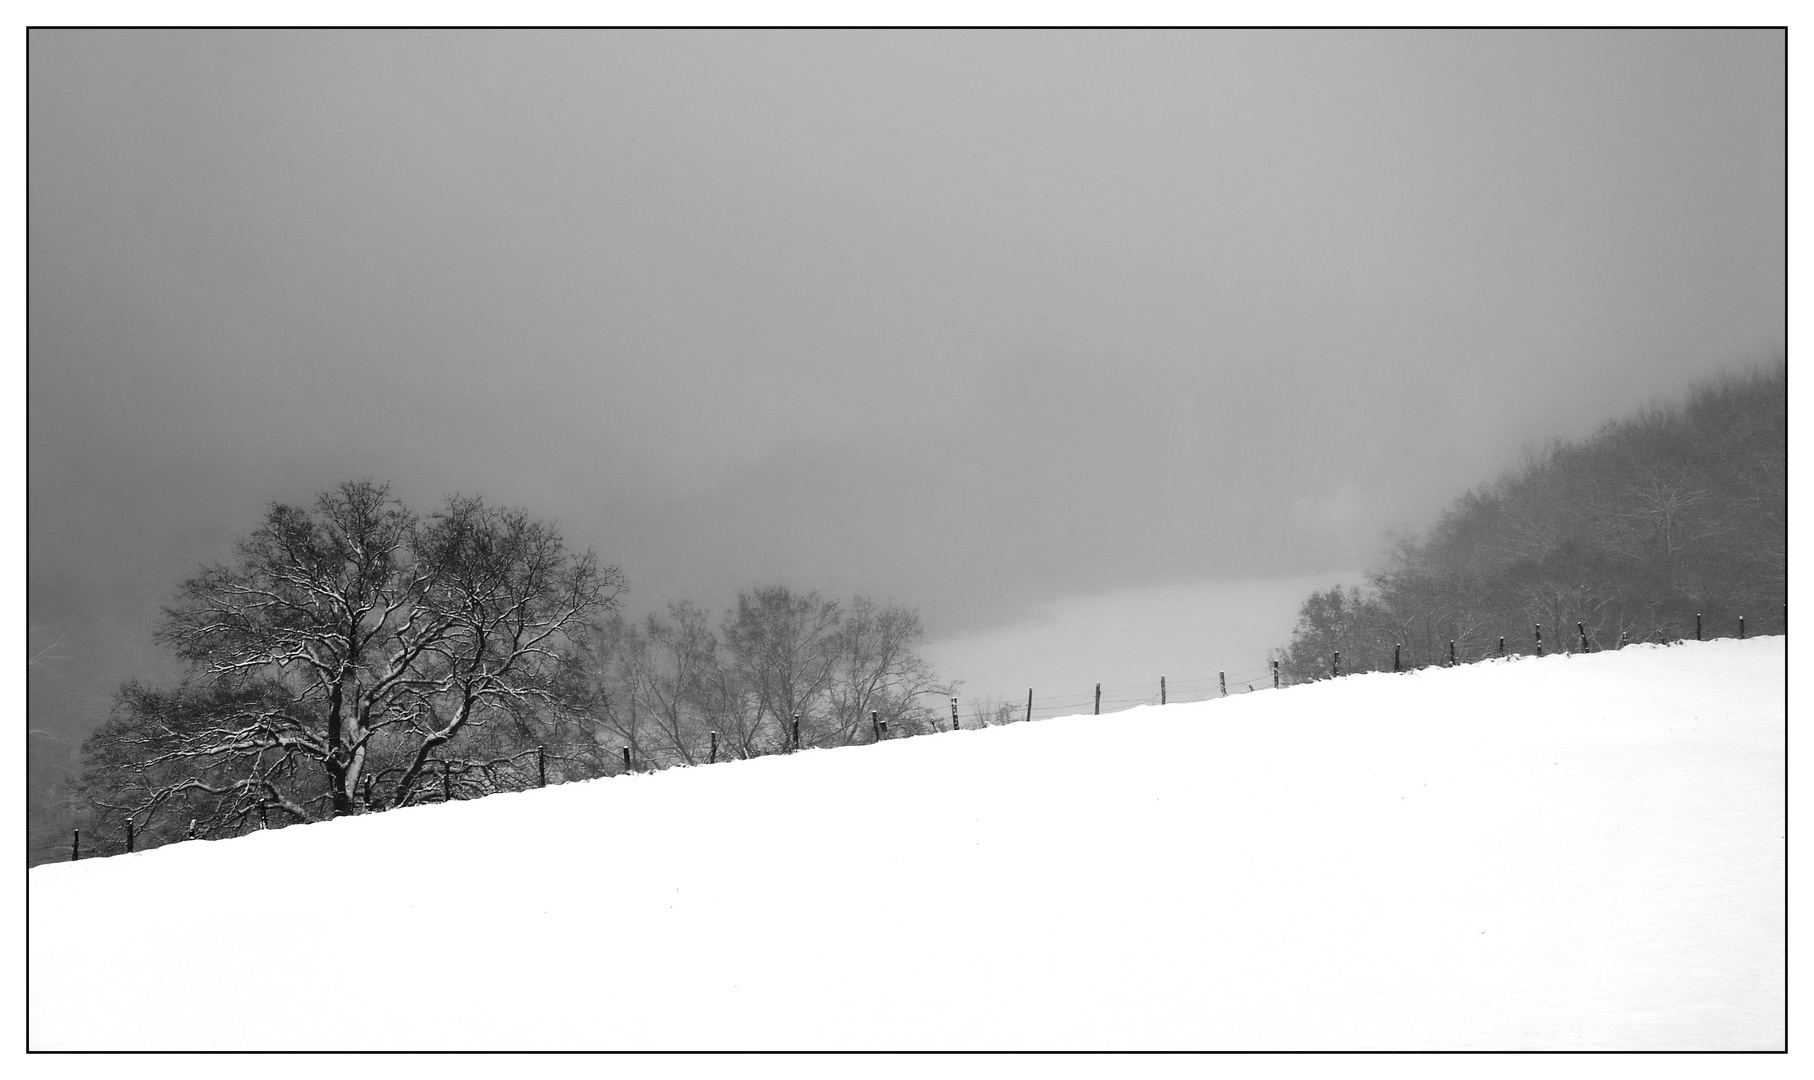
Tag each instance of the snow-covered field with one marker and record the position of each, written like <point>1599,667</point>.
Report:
<point>1565,853</point>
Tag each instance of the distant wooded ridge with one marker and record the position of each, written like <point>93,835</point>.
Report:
<point>1677,512</point>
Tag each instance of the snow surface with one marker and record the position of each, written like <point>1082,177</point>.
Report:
<point>1563,853</point>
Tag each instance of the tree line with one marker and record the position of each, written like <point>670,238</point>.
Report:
<point>355,657</point>
<point>1679,510</point>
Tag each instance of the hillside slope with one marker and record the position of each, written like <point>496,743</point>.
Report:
<point>1560,853</point>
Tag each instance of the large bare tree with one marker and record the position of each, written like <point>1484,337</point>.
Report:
<point>356,657</point>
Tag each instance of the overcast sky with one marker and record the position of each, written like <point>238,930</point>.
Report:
<point>975,321</point>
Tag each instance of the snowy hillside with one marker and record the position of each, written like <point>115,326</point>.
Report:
<point>1572,852</point>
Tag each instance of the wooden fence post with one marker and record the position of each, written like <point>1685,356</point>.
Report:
<point>954,723</point>
<point>714,758</point>
<point>1502,646</point>
<point>1395,648</point>
<point>264,822</point>
<point>1029,704</point>
<point>1162,681</point>
<point>446,780</point>
<point>191,829</point>
<point>75,847</point>
<point>1098,699</point>
<point>1335,665</point>
<point>541,766</point>
<point>1275,674</point>
<point>1222,679</point>
<point>884,729</point>
<point>1741,628</point>
<point>875,723</point>
<point>1539,629</point>
<point>626,759</point>
<point>796,731</point>
<point>1451,652</point>
<point>1697,626</point>
<point>1581,628</point>
<point>129,837</point>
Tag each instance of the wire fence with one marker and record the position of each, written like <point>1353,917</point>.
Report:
<point>1097,699</point>
<point>996,712</point>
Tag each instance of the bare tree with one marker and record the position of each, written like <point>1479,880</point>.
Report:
<point>783,646</point>
<point>877,671</point>
<point>355,657</point>
<point>665,671</point>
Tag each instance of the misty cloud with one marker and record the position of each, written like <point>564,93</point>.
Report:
<point>976,320</point>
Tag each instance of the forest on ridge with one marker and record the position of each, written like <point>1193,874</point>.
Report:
<point>1677,512</point>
